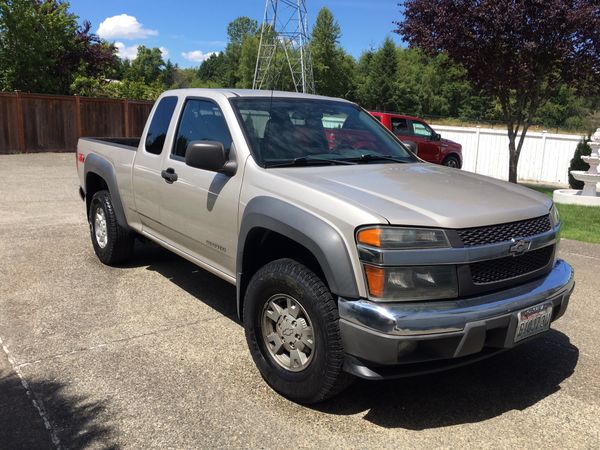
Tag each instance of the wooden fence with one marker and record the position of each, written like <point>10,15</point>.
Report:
<point>53,123</point>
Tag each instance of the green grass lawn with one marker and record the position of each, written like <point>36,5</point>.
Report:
<point>581,223</point>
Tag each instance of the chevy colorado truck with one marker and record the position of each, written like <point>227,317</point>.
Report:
<point>351,256</point>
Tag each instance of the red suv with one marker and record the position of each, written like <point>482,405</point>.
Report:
<point>431,147</point>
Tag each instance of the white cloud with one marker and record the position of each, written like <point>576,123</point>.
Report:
<point>126,52</point>
<point>198,55</point>
<point>123,26</point>
<point>164,51</point>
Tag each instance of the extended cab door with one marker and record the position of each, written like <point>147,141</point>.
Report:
<point>199,207</point>
<point>424,136</point>
<point>147,165</point>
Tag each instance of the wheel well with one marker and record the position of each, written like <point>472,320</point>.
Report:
<point>93,184</point>
<point>263,246</point>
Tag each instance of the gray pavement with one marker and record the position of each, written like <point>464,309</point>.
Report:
<point>151,355</point>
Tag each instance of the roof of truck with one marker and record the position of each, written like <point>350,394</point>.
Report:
<point>394,114</point>
<point>250,93</point>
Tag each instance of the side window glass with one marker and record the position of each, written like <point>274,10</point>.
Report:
<point>201,120</point>
<point>155,139</point>
<point>399,125</point>
<point>420,129</point>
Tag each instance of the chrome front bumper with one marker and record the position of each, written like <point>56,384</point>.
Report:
<point>403,333</point>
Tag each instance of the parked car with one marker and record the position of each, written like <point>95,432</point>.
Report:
<point>351,257</point>
<point>430,145</point>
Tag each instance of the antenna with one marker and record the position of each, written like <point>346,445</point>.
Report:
<point>284,29</point>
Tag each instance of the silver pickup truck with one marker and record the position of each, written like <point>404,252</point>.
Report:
<point>351,256</point>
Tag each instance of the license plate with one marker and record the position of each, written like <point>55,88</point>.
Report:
<point>533,320</point>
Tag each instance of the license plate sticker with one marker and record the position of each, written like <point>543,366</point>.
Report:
<point>533,320</point>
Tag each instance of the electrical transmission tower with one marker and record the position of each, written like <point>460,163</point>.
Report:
<point>284,43</point>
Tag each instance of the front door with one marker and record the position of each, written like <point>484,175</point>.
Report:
<point>199,208</point>
<point>423,134</point>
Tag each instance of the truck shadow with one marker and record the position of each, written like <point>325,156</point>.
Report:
<point>74,419</point>
<point>514,380</point>
<point>201,284</point>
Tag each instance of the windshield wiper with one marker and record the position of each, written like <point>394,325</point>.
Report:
<point>366,157</point>
<point>303,160</point>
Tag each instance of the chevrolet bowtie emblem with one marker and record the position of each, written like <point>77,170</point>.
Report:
<point>519,246</point>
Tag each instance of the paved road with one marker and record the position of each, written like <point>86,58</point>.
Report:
<point>151,354</point>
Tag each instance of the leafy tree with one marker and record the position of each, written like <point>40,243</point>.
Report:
<point>213,68</point>
<point>237,30</point>
<point>147,67</point>
<point>167,76</point>
<point>333,70</point>
<point>247,64</point>
<point>516,51</point>
<point>42,47</point>
<point>241,27</point>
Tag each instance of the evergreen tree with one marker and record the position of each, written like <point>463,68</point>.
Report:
<point>333,70</point>
<point>381,87</point>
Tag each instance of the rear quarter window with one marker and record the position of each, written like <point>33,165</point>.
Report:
<point>155,139</point>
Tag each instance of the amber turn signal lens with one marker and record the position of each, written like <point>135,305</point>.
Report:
<point>370,236</point>
<point>375,279</point>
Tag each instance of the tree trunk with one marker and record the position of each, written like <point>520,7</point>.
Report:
<point>513,158</point>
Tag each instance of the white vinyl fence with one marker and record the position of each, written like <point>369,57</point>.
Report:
<point>545,157</point>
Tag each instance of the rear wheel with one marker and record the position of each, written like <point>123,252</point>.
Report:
<point>451,161</point>
<point>292,329</point>
<point>112,242</point>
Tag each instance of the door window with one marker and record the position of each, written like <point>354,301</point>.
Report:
<point>420,129</point>
<point>201,120</point>
<point>155,139</point>
<point>399,125</point>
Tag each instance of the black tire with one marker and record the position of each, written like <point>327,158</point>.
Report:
<point>323,377</point>
<point>119,240</point>
<point>451,161</point>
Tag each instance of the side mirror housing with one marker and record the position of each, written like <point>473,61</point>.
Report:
<point>412,146</point>
<point>209,155</point>
<point>436,137</point>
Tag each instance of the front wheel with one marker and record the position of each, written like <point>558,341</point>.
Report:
<point>292,329</point>
<point>451,161</point>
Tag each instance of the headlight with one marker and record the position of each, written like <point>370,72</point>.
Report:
<point>411,283</point>
<point>554,216</point>
<point>402,238</point>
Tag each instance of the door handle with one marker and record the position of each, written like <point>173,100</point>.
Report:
<point>169,175</point>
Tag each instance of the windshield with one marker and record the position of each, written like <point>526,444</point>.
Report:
<point>293,131</point>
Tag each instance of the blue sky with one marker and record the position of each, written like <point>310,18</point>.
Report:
<point>189,30</point>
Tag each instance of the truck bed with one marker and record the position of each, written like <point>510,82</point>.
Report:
<point>130,143</point>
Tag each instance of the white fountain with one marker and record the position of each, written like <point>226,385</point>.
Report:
<point>588,195</point>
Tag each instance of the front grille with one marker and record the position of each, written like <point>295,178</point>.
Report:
<point>493,234</point>
<point>495,270</point>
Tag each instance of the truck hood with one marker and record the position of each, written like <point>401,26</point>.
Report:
<point>421,194</point>
<point>449,143</point>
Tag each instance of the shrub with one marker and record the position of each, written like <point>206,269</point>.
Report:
<point>583,149</point>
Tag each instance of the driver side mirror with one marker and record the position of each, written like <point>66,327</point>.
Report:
<point>209,155</point>
<point>412,146</point>
<point>436,136</point>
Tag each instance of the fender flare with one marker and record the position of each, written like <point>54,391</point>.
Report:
<point>320,238</point>
<point>103,168</point>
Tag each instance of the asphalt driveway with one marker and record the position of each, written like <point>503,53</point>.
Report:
<point>151,354</point>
